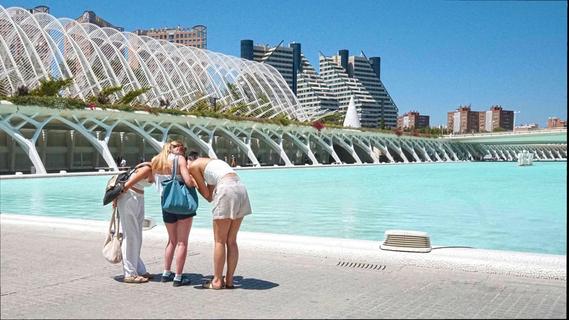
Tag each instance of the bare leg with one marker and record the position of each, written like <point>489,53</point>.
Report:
<point>170,246</point>
<point>232,250</point>
<point>220,233</point>
<point>182,233</point>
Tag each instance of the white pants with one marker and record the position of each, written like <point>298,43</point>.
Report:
<point>131,213</point>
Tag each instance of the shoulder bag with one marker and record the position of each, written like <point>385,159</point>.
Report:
<point>176,197</point>
<point>112,247</point>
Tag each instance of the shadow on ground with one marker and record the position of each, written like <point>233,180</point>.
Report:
<point>244,283</point>
<point>197,279</point>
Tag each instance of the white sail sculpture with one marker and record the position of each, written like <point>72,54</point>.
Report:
<point>352,120</point>
<point>39,46</point>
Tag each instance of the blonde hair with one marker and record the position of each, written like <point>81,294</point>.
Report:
<point>160,161</point>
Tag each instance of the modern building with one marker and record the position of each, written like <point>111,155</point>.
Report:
<point>312,92</point>
<point>91,17</point>
<point>301,77</point>
<point>464,120</point>
<point>280,57</point>
<point>554,122</point>
<point>195,36</point>
<point>98,58</point>
<point>341,77</point>
<point>412,120</point>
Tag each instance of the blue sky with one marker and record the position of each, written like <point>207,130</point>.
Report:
<point>436,55</point>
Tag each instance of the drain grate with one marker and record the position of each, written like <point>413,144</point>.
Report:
<point>359,265</point>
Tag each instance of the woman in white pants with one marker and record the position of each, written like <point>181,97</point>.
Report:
<point>131,212</point>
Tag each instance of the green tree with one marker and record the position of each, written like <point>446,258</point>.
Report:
<point>131,95</point>
<point>103,95</point>
<point>51,87</point>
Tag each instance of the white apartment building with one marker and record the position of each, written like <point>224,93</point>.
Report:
<point>312,91</point>
<point>361,68</point>
<point>279,57</point>
<point>340,78</point>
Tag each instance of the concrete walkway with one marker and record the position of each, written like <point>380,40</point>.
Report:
<point>53,268</point>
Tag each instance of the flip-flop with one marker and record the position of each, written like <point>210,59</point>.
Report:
<point>229,287</point>
<point>209,285</point>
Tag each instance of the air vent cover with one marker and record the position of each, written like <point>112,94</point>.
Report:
<point>404,240</point>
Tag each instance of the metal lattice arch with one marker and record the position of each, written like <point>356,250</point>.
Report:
<point>39,46</point>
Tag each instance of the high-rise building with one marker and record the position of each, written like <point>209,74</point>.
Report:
<point>195,36</point>
<point>280,57</point>
<point>340,78</point>
<point>412,120</point>
<point>91,17</point>
<point>312,91</point>
<point>495,118</point>
<point>554,122</point>
<point>300,76</point>
<point>359,77</point>
<point>463,120</point>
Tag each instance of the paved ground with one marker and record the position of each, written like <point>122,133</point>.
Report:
<point>54,269</point>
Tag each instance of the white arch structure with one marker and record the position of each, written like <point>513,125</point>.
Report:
<point>39,46</point>
<point>25,125</point>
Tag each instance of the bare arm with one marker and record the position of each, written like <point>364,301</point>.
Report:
<point>203,188</point>
<point>184,172</point>
<point>138,175</point>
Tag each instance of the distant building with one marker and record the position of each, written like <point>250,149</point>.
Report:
<point>554,122</point>
<point>412,120</point>
<point>527,127</point>
<point>91,17</point>
<point>38,9</point>
<point>495,118</point>
<point>195,36</point>
<point>341,77</point>
<point>464,120</point>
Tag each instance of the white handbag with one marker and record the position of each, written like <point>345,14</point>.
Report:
<point>112,247</point>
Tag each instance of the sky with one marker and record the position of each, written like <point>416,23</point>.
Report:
<point>435,55</point>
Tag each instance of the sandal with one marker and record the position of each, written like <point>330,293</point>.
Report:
<point>147,276</point>
<point>135,279</point>
<point>209,285</point>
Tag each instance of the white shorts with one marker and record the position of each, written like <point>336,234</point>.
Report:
<point>230,199</point>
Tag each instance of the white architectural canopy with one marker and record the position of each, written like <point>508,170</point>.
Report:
<point>39,46</point>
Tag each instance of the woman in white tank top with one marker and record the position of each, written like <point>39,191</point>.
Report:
<point>177,225</point>
<point>219,184</point>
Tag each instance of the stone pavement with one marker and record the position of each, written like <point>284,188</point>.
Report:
<point>53,268</point>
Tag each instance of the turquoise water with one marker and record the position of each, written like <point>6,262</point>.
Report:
<point>483,205</point>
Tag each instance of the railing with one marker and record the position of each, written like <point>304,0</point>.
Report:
<point>505,133</point>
